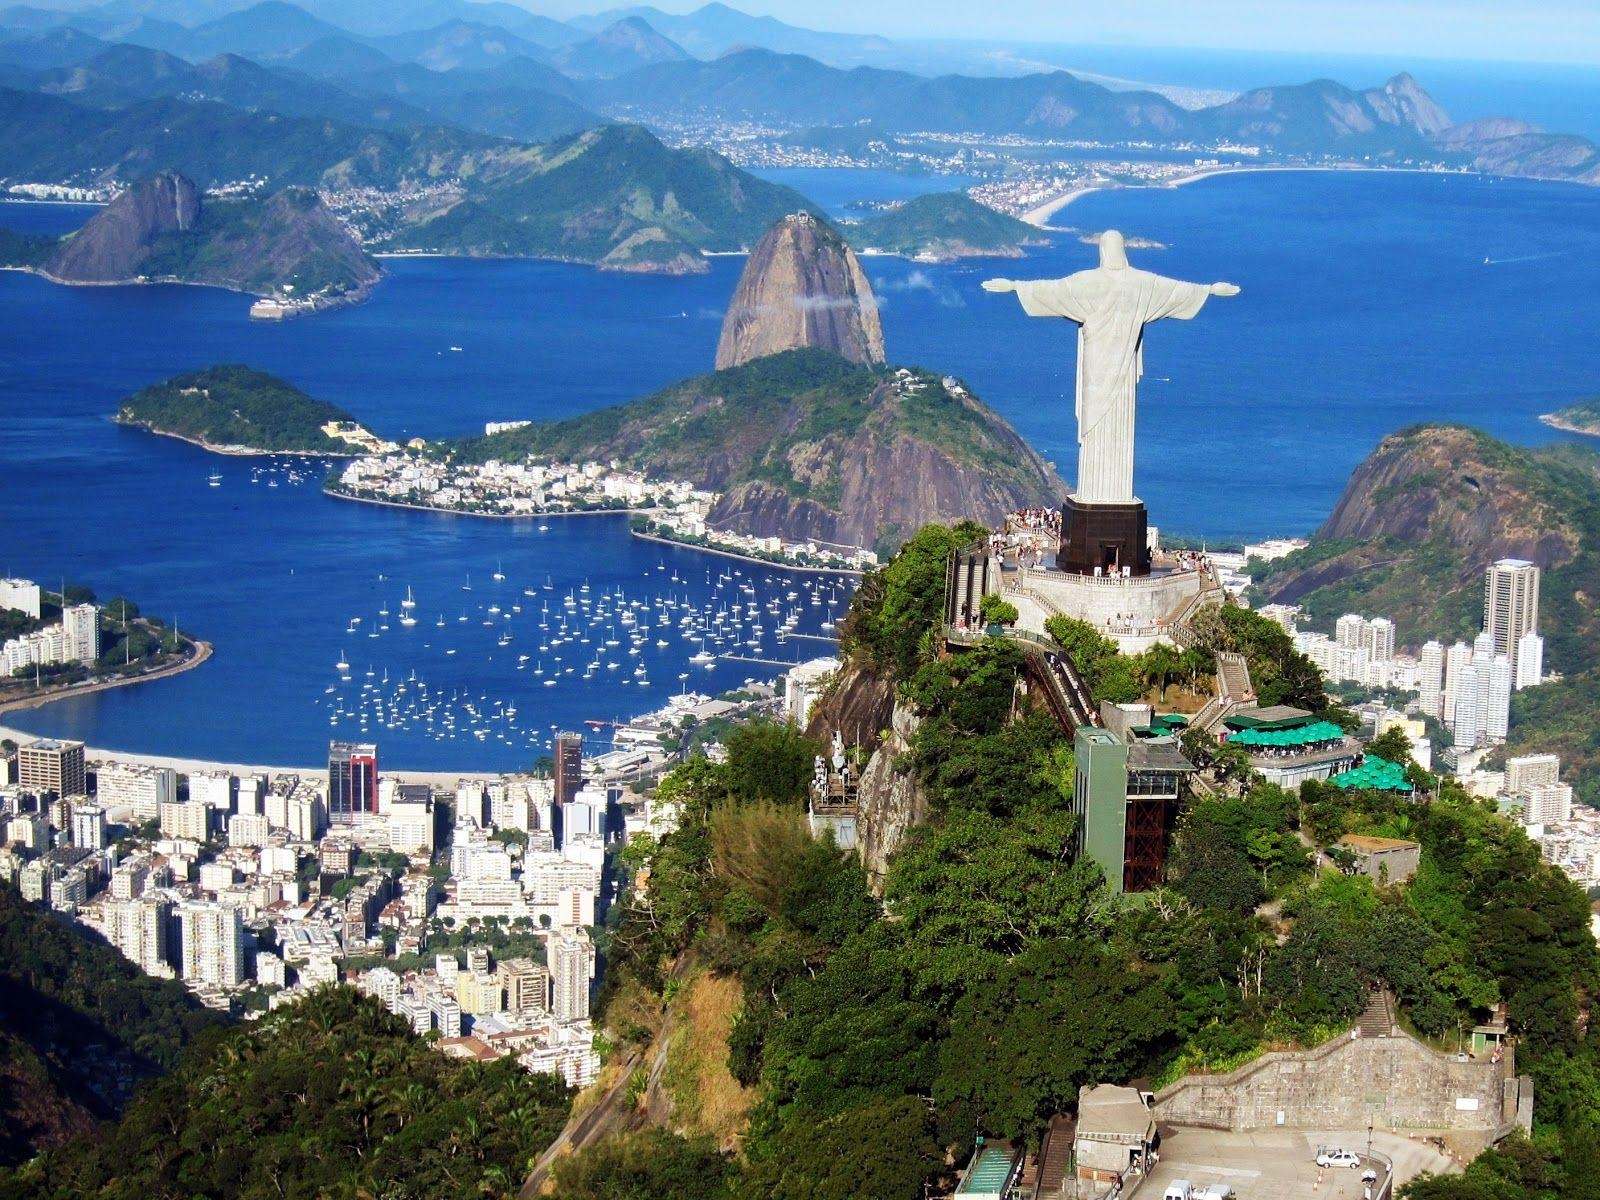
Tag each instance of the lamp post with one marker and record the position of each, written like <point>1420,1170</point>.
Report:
<point>1369,1141</point>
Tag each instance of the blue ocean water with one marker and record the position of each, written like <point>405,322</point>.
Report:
<point>1367,305</point>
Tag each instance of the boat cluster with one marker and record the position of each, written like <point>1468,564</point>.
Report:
<point>590,634</point>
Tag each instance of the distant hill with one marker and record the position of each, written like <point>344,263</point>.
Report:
<point>946,225</point>
<point>713,29</point>
<point>1427,511</point>
<point>613,196</point>
<point>161,229</point>
<point>458,45</point>
<point>806,444</point>
<point>80,1028</point>
<point>234,408</point>
<point>623,46</point>
<point>270,29</point>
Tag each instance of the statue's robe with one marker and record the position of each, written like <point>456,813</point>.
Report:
<point>1111,306</point>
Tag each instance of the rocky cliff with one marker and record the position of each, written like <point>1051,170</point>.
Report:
<point>117,241</point>
<point>162,229</point>
<point>804,444</point>
<point>1427,511</point>
<point>802,286</point>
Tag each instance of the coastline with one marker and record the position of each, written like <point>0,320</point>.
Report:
<point>234,451</point>
<point>457,512</point>
<point>202,652</point>
<point>1555,422</point>
<point>1041,215</point>
<point>749,558</point>
<point>349,299</point>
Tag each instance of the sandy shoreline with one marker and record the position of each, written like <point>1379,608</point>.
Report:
<point>1041,215</point>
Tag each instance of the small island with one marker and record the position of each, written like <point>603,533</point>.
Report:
<point>943,226</point>
<point>237,410</point>
<point>1582,417</point>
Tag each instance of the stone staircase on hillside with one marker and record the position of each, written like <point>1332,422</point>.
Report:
<point>1233,675</point>
<point>1377,1019</point>
<point>1055,1160</point>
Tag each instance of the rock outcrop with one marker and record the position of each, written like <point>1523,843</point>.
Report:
<point>162,230</point>
<point>802,286</point>
<point>1425,513</point>
<point>117,242</point>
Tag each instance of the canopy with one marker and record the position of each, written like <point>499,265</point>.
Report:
<point>1303,735</point>
<point>1374,774</point>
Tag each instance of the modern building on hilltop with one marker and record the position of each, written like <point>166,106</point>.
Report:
<point>1127,787</point>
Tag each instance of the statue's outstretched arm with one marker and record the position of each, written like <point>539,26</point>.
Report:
<point>999,285</point>
<point>1222,289</point>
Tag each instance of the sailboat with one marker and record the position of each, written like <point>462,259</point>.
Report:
<point>498,573</point>
<point>409,601</point>
<point>215,479</point>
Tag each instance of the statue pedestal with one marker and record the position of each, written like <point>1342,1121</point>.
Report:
<point>1108,536</point>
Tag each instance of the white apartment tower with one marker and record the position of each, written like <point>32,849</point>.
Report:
<point>1529,660</point>
<point>1456,660</point>
<point>138,928</point>
<point>1430,679</point>
<point>80,626</point>
<point>573,955</point>
<point>210,944</point>
<point>1468,714</point>
<point>1497,710</point>
<point>1510,604</point>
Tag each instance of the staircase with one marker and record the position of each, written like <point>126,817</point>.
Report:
<point>1055,1159</point>
<point>1233,675</point>
<point>1377,1019</point>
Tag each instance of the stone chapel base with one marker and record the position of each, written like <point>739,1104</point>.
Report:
<point>1104,538</point>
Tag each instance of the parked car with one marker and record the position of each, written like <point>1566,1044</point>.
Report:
<point>1333,1156</point>
<point>1216,1191</point>
<point>1178,1189</point>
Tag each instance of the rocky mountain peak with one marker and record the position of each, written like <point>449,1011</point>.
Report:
<point>116,241</point>
<point>1402,101</point>
<point>802,286</point>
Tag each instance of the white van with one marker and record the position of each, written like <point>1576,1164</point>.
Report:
<point>1178,1189</point>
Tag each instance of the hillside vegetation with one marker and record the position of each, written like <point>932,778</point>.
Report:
<point>234,406</point>
<point>80,1027</point>
<point>329,1096</point>
<point>807,444</point>
<point>1009,976</point>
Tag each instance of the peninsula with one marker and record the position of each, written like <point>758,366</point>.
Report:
<point>59,644</point>
<point>287,246</point>
<point>237,410</point>
<point>1582,417</point>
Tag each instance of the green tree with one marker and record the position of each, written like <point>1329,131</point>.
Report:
<point>649,1165</point>
<point>769,761</point>
<point>1063,1014</point>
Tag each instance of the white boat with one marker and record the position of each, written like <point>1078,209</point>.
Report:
<point>498,573</point>
<point>408,602</point>
<point>215,479</point>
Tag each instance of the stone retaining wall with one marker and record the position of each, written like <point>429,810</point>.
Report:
<point>1394,1083</point>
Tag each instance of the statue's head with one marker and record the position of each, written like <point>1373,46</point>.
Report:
<point>1113,251</point>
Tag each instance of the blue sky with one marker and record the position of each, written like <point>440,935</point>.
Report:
<point>1496,30</point>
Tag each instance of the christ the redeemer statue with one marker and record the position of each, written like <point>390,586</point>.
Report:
<point>1111,306</point>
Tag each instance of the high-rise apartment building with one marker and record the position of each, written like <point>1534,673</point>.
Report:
<point>1430,679</point>
<point>572,955</point>
<point>1456,659</point>
<point>1469,712</point>
<point>89,827</point>
<point>139,929</point>
<point>1510,604</point>
<point>80,627</point>
<point>1530,770</point>
<point>1529,660</point>
<point>49,767</point>
<point>136,787</point>
<point>569,766</point>
<point>210,943</point>
<point>352,780</point>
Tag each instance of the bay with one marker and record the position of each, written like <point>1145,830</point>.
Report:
<point>1367,306</point>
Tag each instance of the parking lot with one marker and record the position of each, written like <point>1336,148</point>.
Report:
<point>1279,1164</point>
